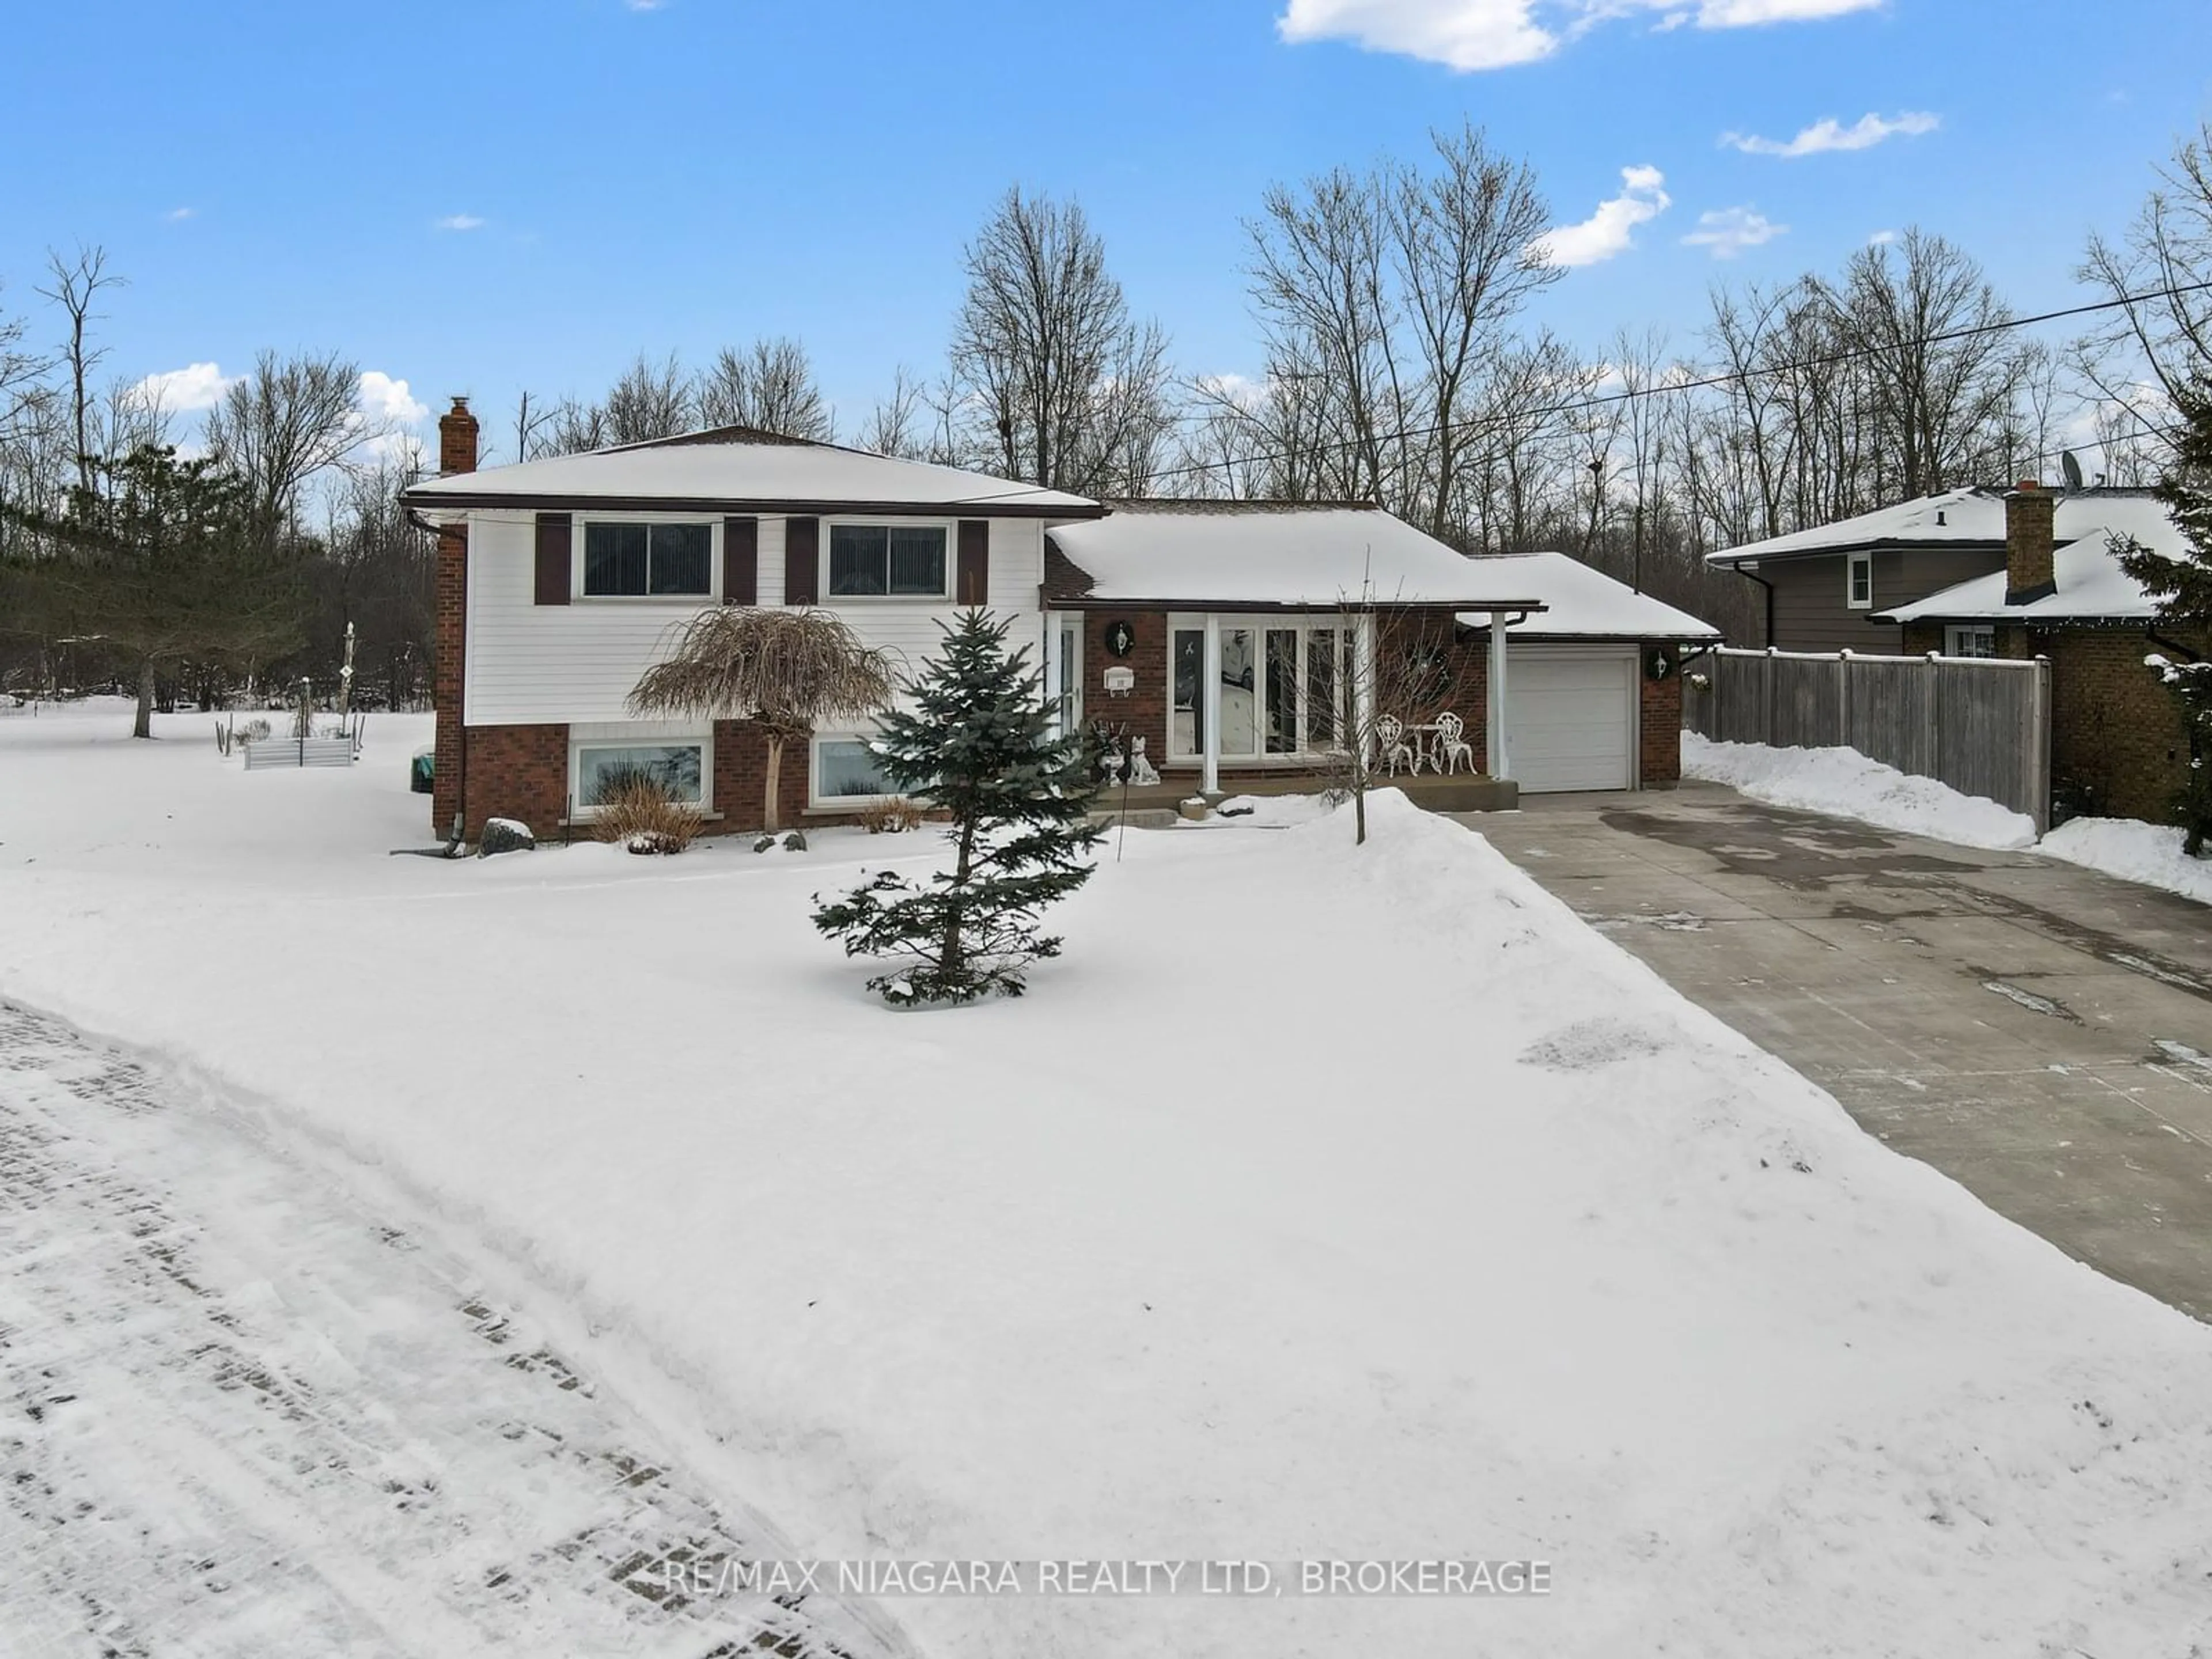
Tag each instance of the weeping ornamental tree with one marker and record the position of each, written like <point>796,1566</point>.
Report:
<point>786,672</point>
<point>2183,588</point>
<point>979,747</point>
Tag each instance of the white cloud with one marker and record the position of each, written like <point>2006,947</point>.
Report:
<point>1612,228</point>
<point>460,222</point>
<point>1482,35</point>
<point>1462,34</point>
<point>1881,238</point>
<point>383,398</point>
<point>181,390</point>
<point>1828,134</point>
<point>1729,231</point>
<point>178,215</point>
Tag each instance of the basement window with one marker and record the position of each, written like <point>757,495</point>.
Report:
<point>1969,641</point>
<point>847,772</point>
<point>679,768</point>
<point>1858,580</point>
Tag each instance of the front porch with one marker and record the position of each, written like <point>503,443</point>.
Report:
<point>1454,793</point>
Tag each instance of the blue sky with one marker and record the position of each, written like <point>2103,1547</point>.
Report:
<point>483,194</point>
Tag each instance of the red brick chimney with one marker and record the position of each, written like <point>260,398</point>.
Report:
<point>457,438</point>
<point>457,453</point>
<point>2031,536</point>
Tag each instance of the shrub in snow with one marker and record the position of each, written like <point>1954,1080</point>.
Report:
<point>979,747</point>
<point>504,836</point>
<point>893,815</point>
<point>640,814</point>
<point>794,842</point>
<point>763,843</point>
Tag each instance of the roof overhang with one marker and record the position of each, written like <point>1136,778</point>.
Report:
<point>449,504</point>
<point>1735,559</point>
<point>1285,607</point>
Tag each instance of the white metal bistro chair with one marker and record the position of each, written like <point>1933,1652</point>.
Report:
<point>1390,739</point>
<point>1452,746</point>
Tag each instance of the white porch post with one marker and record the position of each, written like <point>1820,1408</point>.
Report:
<point>1363,683</point>
<point>1209,703</point>
<point>1053,672</point>
<point>1501,764</point>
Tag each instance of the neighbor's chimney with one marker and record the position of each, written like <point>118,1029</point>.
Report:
<point>457,438</point>
<point>2030,535</point>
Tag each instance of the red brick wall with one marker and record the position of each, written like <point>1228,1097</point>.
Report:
<point>2118,747</point>
<point>741,779</point>
<point>518,772</point>
<point>449,598</point>
<point>1660,762</point>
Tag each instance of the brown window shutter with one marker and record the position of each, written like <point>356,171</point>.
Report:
<point>556,536</point>
<point>974,586</point>
<point>802,562</point>
<point>741,562</point>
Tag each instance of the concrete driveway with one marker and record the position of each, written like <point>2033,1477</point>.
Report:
<point>2039,1033</point>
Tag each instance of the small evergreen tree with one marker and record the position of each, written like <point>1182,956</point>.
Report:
<point>978,746</point>
<point>2183,588</point>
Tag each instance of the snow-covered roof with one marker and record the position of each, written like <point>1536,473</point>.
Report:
<point>1966,517</point>
<point>1217,554</point>
<point>734,468</point>
<point>2091,586</point>
<point>1583,602</point>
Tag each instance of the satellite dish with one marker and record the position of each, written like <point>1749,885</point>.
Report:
<point>2073,469</point>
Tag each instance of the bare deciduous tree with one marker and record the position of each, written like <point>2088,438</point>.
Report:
<point>771,386</point>
<point>76,285</point>
<point>651,400</point>
<point>290,420</point>
<point>1071,392</point>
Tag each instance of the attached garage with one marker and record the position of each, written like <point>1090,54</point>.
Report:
<point>1570,714</point>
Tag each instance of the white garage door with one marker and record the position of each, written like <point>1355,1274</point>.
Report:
<point>1570,717</point>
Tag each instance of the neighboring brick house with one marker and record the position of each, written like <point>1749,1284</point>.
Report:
<point>1223,630</point>
<point>2117,747</point>
<point>1839,586</point>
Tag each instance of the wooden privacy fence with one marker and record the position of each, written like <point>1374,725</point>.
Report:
<point>1981,725</point>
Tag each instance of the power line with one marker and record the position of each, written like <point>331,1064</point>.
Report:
<point>1706,382</point>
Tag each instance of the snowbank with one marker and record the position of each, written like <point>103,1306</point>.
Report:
<point>1317,1203</point>
<point>2148,852</point>
<point>1846,783</point>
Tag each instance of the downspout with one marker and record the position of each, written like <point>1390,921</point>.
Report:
<point>1767,642</point>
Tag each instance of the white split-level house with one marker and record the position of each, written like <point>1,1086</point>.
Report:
<point>559,581</point>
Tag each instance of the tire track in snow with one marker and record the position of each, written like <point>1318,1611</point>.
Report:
<point>237,1414</point>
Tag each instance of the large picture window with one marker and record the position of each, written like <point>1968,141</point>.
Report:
<point>1282,689</point>
<point>678,768</point>
<point>636,560</point>
<point>887,561</point>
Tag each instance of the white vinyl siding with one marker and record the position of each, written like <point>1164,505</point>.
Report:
<point>531,663</point>
<point>1570,717</point>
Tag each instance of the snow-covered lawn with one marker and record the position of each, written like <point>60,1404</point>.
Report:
<point>1844,782</point>
<point>1317,1204</point>
<point>2148,852</point>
